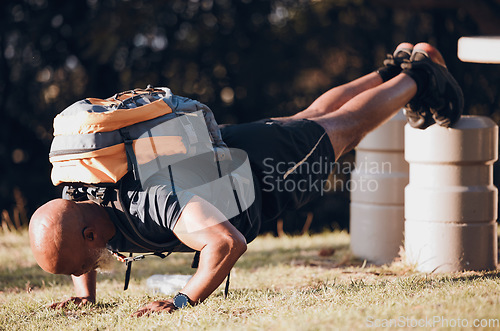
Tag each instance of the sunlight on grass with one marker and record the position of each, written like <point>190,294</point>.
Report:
<point>294,283</point>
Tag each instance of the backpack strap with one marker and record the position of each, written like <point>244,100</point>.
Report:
<point>128,262</point>
<point>226,288</point>
<point>129,150</point>
<point>98,194</point>
<point>128,272</point>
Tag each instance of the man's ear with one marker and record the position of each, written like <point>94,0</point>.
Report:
<point>89,233</point>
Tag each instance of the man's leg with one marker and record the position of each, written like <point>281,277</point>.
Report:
<point>366,111</point>
<point>334,98</point>
<point>425,80</point>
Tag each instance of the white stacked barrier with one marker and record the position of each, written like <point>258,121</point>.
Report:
<point>377,199</point>
<point>451,202</point>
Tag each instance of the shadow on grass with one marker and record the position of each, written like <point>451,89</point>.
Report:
<point>470,276</point>
<point>315,255</point>
<point>25,279</point>
<point>334,256</point>
<point>331,256</point>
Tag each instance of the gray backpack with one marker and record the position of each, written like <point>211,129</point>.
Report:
<point>97,141</point>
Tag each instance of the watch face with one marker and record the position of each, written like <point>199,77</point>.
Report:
<point>181,300</point>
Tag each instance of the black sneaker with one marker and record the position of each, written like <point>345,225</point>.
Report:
<point>441,99</point>
<point>401,53</point>
<point>392,63</point>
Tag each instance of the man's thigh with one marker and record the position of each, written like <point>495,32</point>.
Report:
<point>291,160</point>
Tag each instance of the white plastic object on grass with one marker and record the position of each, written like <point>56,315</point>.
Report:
<point>167,284</point>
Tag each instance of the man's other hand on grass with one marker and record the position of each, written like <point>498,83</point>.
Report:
<point>161,306</point>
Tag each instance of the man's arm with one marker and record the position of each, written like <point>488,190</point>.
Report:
<point>204,228</point>
<point>85,290</point>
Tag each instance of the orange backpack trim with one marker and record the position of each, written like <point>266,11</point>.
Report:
<point>92,122</point>
<point>109,164</point>
<point>106,165</point>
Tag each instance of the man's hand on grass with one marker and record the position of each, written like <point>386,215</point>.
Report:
<point>78,301</point>
<point>166,306</point>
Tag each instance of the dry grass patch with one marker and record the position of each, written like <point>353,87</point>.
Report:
<point>294,283</point>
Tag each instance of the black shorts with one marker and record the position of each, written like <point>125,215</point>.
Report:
<point>275,149</point>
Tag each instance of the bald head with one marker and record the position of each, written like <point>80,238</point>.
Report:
<point>63,235</point>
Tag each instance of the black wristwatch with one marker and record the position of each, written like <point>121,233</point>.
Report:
<point>181,300</point>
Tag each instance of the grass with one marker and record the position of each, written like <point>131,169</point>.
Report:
<point>291,283</point>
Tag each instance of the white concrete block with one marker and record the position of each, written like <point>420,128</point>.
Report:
<point>376,211</point>
<point>450,201</point>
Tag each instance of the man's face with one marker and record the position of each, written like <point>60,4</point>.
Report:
<point>105,262</point>
<point>99,259</point>
<point>84,262</point>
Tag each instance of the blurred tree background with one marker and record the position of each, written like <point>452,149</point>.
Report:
<point>246,59</point>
